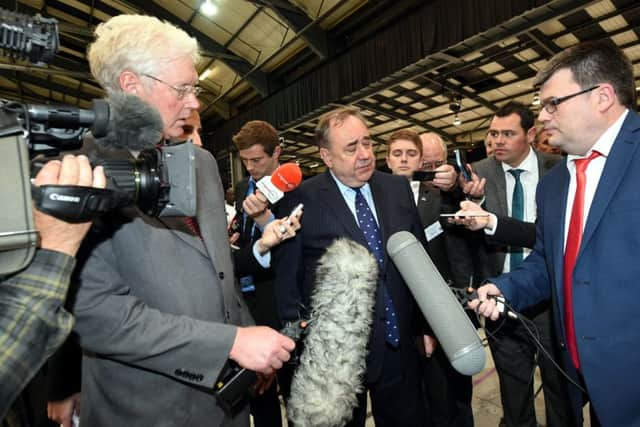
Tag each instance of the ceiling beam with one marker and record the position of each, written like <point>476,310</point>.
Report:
<point>47,85</point>
<point>368,106</point>
<point>296,19</point>
<point>256,78</point>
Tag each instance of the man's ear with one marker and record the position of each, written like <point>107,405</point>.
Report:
<point>326,157</point>
<point>606,96</point>
<point>130,82</point>
<point>277,151</point>
<point>531,135</point>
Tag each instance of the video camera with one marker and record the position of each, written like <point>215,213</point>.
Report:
<point>160,181</point>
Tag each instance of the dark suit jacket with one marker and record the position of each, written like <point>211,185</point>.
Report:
<point>605,278</point>
<point>326,218</point>
<point>263,306</point>
<point>496,202</point>
<point>448,250</point>
<point>514,232</point>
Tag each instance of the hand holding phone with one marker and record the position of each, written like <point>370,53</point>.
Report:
<point>460,164</point>
<point>423,176</point>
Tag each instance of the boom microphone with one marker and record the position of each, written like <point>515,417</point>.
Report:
<point>455,332</point>
<point>332,366</point>
<point>286,178</point>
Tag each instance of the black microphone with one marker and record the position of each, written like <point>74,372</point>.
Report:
<point>133,124</point>
<point>451,325</point>
<point>333,363</point>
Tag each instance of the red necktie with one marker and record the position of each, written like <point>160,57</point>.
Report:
<point>574,238</point>
<point>193,225</point>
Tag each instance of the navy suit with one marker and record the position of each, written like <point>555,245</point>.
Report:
<point>326,218</point>
<point>605,279</point>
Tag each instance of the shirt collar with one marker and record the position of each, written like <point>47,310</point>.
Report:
<point>529,164</point>
<point>348,191</point>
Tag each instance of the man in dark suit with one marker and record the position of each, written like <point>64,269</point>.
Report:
<point>259,149</point>
<point>448,393</point>
<point>585,257</point>
<point>335,203</point>
<point>511,175</point>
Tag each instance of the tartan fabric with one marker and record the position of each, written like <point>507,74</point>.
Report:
<point>33,322</point>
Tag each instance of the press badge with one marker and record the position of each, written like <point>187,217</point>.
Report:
<point>433,231</point>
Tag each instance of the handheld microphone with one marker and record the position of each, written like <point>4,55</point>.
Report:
<point>333,363</point>
<point>286,178</point>
<point>455,332</point>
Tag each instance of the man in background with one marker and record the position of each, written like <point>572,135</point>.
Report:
<point>259,149</point>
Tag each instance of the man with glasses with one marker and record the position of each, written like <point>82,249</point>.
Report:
<point>511,175</point>
<point>157,308</point>
<point>585,258</point>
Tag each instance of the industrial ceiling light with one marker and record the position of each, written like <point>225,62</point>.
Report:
<point>536,100</point>
<point>456,106</point>
<point>208,8</point>
<point>205,74</point>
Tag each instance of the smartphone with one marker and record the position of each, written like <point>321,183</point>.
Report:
<point>296,210</point>
<point>460,163</point>
<point>423,176</point>
<point>466,215</point>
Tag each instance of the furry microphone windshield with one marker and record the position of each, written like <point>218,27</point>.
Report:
<point>332,366</point>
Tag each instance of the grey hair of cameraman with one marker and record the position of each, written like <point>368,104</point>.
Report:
<point>141,44</point>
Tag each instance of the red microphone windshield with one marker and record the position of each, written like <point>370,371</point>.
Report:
<point>287,177</point>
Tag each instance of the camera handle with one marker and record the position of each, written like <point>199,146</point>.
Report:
<point>76,203</point>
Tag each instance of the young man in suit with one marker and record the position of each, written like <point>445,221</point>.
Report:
<point>511,175</point>
<point>587,234</point>
<point>336,203</point>
<point>157,309</point>
<point>259,149</point>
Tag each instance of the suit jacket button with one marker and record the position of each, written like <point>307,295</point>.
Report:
<point>221,275</point>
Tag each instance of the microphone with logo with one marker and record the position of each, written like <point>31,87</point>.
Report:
<point>455,332</point>
<point>286,178</point>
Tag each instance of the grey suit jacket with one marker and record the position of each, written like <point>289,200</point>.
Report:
<point>156,309</point>
<point>496,201</point>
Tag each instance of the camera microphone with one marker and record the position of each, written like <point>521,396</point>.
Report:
<point>133,124</point>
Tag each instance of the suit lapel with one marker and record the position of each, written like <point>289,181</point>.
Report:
<point>615,168</point>
<point>501,185</point>
<point>336,205</point>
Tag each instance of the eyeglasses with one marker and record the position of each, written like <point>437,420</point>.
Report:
<point>432,165</point>
<point>551,105</point>
<point>182,91</point>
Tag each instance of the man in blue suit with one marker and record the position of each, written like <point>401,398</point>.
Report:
<point>588,230</point>
<point>333,203</point>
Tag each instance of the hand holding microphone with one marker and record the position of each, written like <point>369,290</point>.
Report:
<point>489,302</point>
<point>271,189</point>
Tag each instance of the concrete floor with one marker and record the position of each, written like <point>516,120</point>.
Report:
<point>487,409</point>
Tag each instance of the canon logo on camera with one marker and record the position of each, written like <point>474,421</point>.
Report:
<point>63,198</point>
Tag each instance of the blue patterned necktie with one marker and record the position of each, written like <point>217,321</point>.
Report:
<point>371,232</point>
<point>517,212</point>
